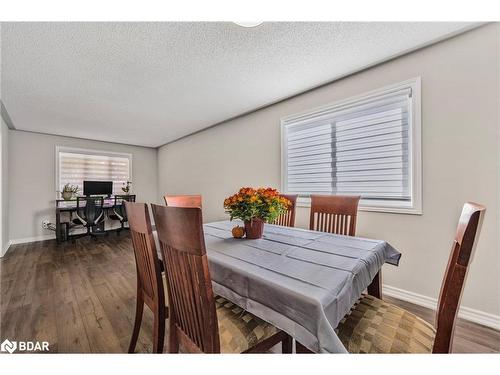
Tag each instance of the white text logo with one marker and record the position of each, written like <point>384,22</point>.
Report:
<point>24,346</point>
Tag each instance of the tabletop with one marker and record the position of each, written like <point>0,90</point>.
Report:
<point>304,282</point>
<point>70,205</point>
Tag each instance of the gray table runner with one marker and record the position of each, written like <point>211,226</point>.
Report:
<point>302,281</point>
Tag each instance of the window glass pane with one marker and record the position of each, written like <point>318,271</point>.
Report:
<point>74,168</point>
<point>361,148</point>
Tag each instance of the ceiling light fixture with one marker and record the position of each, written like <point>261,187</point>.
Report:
<point>249,24</point>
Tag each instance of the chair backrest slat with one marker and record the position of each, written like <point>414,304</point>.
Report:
<point>180,233</point>
<point>334,214</point>
<point>149,279</point>
<point>183,200</point>
<point>287,219</point>
<point>461,256</point>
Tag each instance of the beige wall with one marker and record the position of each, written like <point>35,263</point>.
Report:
<point>460,122</point>
<point>4,192</point>
<point>32,178</point>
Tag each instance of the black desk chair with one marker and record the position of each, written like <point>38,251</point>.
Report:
<point>119,212</point>
<point>89,214</point>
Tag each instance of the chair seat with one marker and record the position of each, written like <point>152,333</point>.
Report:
<point>375,326</point>
<point>238,329</point>
<point>77,222</point>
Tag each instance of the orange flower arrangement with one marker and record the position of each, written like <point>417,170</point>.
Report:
<point>249,203</point>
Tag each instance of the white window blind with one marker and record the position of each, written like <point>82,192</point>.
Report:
<point>361,147</point>
<point>75,167</point>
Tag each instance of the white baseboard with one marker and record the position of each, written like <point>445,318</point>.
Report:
<point>42,237</point>
<point>4,249</point>
<point>473,315</point>
<point>52,236</point>
<point>45,237</point>
<point>26,240</point>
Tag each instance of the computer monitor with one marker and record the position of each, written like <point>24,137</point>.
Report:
<point>97,188</point>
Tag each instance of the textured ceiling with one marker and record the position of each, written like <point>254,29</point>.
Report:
<point>151,83</point>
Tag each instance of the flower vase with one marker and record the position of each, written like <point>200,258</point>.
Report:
<point>67,195</point>
<point>254,228</point>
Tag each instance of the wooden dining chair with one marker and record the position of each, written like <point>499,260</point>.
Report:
<point>183,200</point>
<point>201,322</point>
<point>287,219</point>
<point>375,326</point>
<point>334,214</point>
<point>150,289</point>
<point>338,214</point>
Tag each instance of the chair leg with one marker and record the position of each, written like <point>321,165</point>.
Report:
<point>77,236</point>
<point>287,345</point>
<point>159,330</point>
<point>66,234</point>
<point>301,349</point>
<point>375,288</point>
<point>265,345</point>
<point>137,324</point>
<point>173,341</point>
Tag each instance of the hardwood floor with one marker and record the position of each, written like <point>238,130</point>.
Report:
<point>81,299</point>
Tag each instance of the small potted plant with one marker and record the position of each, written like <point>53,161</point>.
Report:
<point>255,207</point>
<point>126,187</point>
<point>69,191</point>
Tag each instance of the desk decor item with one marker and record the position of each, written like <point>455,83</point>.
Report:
<point>69,191</point>
<point>126,187</point>
<point>255,207</point>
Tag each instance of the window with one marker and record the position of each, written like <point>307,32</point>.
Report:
<point>74,165</point>
<point>368,145</point>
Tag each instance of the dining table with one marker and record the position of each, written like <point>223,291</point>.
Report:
<point>303,282</point>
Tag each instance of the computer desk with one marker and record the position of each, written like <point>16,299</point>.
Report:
<point>70,207</point>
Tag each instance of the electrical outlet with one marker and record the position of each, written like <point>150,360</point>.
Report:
<point>45,224</point>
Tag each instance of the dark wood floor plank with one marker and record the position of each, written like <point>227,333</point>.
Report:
<point>71,334</point>
<point>100,333</point>
<point>81,298</point>
<point>43,321</point>
<point>15,296</point>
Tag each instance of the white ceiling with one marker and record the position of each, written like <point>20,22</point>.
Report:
<point>151,83</point>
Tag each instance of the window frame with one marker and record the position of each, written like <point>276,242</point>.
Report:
<point>86,151</point>
<point>415,146</point>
